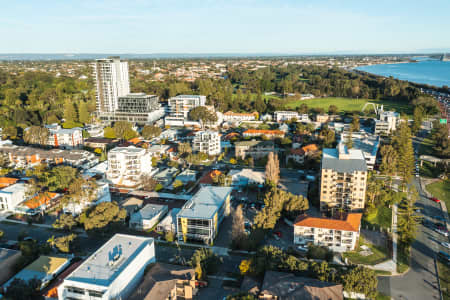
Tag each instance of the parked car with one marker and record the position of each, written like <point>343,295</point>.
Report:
<point>440,231</point>
<point>440,218</point>
<point>446,245</point>
<point>302,248</point>
<point>440,226</point>
<point>434,199</point>
<point>444,256</point>
<point>278,233</point>
<point>427,223</point>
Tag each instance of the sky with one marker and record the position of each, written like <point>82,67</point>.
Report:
<point>218,26</point>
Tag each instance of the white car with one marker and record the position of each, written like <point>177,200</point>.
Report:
<point>302,248</point>
<point>444,233</point>
<point>446,245</point>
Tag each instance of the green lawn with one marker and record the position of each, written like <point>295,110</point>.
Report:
<point>444,276</point>
<point>441,190</point>
<point>348,104</point>
<point>378,255</point>
<point>382,217</point>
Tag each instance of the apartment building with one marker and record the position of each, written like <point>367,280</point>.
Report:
<point>200,217</point>
<point>64,138</point>
<point>343,179</point>
<point>282,116</point>
<point>23,156</point>
<point>255,149</point>
<point>126,165</point>
<point>111,81</point>
<point>387,123</point>
<point>112,272</point>
<point>367,143</point>
<point>207,142</point>
<point>11,196</point>
<point>340,235</point>
<point>180,106</point>
<point>271,134</point>
<point>233,117</point>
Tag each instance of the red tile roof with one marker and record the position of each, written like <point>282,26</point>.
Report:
<point>6,181</point>
<point>350,223</point>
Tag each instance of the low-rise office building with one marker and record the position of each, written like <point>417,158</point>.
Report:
<point>200,217</point>
<point>282,116</point>
<point>339,235</point>
<point>126,165</point>
<point>112,272</point>
<point>255,149</point>
<point>148,216</point>
<point>239,117</point>
<point>207,142</point>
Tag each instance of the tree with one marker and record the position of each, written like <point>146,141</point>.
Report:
<point>237,228</point>
<point>407,220</point>
<point>99,217</point>
<point>83,113</point>
<point>169,236</point>
<point>332,109</point>
<point>355,123</point>
<point>70,113</point>
<point>328,136</point>
<point>123,130</point>
<point>64,243</point>
<point>402,142</point>
<point>65,221</point>
<point>150,131</point>
<point>441,140</point>
<point>36,135</point>
<point>245,266</point>
<point>361,280</point>
<point>184,148</point>
<point>321,270</point>
<point>204,261</point>
<point>109,133</point>
<point>417,119</point>
<point>148,183</point>
<point>177,184</point>
<point>272,169</point>
<point>203,114</point>
<point>349,139</point>
<point>389,160</point>
<point>24,290</point>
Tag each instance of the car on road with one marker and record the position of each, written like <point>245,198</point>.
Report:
<point>278,233</point>
<point>434,199</point>
<point>302,248</point>
<point>446,245</point>
<point>440,231</point>
<point>440,226</point>
<point>427,223</point>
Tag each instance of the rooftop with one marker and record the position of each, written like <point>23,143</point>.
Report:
<point>148,211</point>
<point>255,143</point>
<point>205,203</point>
<point>350,222</point>
<point>103,267</point>
<point>130,149</point>
<point>353,161</point>
<point>208,178</point>
<point>14,188</point>
<point>264,131</point>
<point>6,181</point>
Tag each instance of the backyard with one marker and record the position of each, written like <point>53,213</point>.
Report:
<point>348,104</point>
<point>367,254</point>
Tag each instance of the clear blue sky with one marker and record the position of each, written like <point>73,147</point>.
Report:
<point>216,26</point>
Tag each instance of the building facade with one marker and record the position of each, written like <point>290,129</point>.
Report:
<point>282,116</point>
<point>343,179</point>
<point>255,149</point>
<point>340,235</point>
<point>148,216</point>
<point>271,134</point>
<point>232,116</point>
<point>180,106</point>
<point>111,81</point>
<point>207,142</point>
<point>387,123</point>
<point>112,272</point>
<point>64,138</point>
<point>200,217</point>
<point>126,165</point>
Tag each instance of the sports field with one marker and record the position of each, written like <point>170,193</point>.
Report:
<point>348,104</point>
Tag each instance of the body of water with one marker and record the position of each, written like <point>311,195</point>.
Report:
<point>426,71</point>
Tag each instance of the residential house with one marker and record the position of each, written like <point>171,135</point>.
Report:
<point>166,176</point>
<point>11,196</point>
<point>287,286</point>
<point>233,117</point>
<point>187,176</point>
<point>100,143</point>
<point>340,234</point>
<point>245,177</point>
<point>148,216</point>
<point>255,149</point>
<point>208,178</point>
<point>271,134</point>
<point>298,155</point>
<point>165,281</point>
<point>101,194</point>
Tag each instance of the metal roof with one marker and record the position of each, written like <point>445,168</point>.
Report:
<point>355,161</point>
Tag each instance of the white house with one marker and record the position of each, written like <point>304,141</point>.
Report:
<point>148,216</point>
<point>244,177</point>
<point>112,272</point>
<point>11,196</point>
<point>339,235</point>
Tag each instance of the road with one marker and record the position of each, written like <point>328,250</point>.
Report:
<point>420,282</point>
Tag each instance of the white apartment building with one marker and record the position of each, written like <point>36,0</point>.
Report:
<point>112,272</point>
<point>207,142</point>
<point>111,80</point>
<point>340,235</point>
<point>180,106</point>
<point>387,122</point>
<point>64,138</point>
<point>343,179</point>
<point>126,165</point>
<point>281,116</point>
<point>12,196</point>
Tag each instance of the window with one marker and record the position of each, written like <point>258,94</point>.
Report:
<point>95,294</point>
<point>75,290</point>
